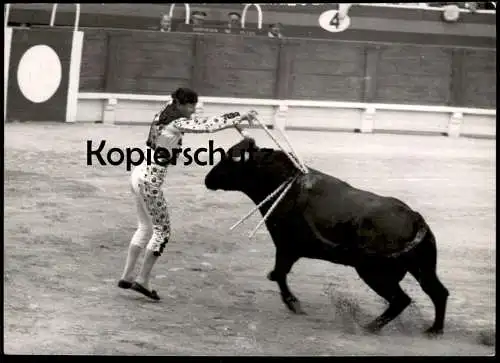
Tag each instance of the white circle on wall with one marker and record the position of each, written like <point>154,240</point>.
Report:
<point>333,21</point>
<point>39,73</point>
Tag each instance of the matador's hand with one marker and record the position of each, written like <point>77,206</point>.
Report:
<point>250,116</point>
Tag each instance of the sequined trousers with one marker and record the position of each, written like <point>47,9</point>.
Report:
<point>153,229</point>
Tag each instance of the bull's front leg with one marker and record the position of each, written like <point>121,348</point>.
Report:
<point>282,267</point>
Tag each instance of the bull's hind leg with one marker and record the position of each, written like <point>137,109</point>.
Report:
<point>422,265</point>
<point>439,295</point>
<point>282,267</point>
<point>386,284</point>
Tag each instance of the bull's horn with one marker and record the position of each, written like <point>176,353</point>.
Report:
<point>260,204</point>
<point>292,159</point>
<point>274,205</point>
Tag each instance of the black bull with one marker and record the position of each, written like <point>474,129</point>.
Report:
<point>322,217</point>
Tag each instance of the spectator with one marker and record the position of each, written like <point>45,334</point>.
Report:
<point>199,18</point>
<point>438,4</point>
<point>487,5</point>
<point>165,23</point>
<point>275,31</point>
<point>234,20</point>
<point>471,6</point>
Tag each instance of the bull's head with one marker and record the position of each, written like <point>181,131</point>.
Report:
<point>230,173</point>
<point>245,167</point>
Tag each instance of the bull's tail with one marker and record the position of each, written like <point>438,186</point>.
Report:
<point>421,231</point>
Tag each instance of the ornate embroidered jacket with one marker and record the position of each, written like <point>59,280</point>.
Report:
<point>169,126</point>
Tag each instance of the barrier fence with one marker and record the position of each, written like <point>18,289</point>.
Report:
<point>301,115</point>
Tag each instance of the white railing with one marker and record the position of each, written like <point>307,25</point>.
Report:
<point>291,103</point>
<point>111,108</point>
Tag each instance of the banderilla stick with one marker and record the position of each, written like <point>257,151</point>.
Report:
<point>303,166</point>
<point>292,159</point>
<point>261,204</point>
<point>301,162</point>
<point>242,132</point>
<point>274,205</point>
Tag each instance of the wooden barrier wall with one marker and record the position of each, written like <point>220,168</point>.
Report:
<point>143,62</point>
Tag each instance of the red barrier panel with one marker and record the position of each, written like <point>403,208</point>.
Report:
<point>43,75</point>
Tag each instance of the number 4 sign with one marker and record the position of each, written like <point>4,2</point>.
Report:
<point>333,21</point>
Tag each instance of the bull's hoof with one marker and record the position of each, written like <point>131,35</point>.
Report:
<point>433,332</point>
<point>373,328</point>
<point>270,276</point>
<point>293,304</point>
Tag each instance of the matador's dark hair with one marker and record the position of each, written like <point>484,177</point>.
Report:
<point>181,96</point>
<point>184,95</point>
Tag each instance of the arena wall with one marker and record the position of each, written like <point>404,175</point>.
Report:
<point>350,81</point>
<point>143,62</point>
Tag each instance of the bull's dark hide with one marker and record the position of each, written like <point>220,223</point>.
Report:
<point>323,217</point>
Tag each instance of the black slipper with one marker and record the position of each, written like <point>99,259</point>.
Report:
<point>139,288</point>
<point>124,284</point>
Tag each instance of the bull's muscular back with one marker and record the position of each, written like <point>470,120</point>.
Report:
<point>364,220</point>
<point>342,214</point>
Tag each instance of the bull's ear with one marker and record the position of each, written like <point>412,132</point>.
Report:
<point>251,143</point>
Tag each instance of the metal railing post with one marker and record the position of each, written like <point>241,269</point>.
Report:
<point>77,16</point>
<point>244,15</point>
<point>7,13</point>
<point>188,12</point>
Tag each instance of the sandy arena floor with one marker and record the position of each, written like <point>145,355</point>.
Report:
<point>68,226</point>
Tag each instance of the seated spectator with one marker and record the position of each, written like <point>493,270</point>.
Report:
<point>438,4</point>
<point>487,5</point>
<point>472,6</point>
<point>165,23</point>
<point>234,20</point>
<point>198,18</point>
<point>275,31</point>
